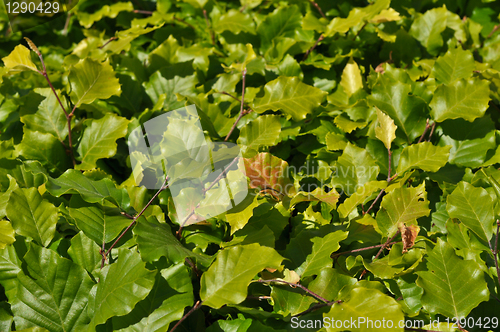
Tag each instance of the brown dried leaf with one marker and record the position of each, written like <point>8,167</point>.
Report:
<point>269,173</point>
<point>408,235</point>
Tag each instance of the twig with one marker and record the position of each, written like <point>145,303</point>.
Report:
<point>307,290</point>
<point>495,28</point>
<point>68,116</point>
<point>242,110</point>
<point>145,12</point>
<point>209,26</point>
<point>432,131</point>
<point>425,131</point>
<point>106,43</point>
<point>193,309</point>
<point>236,98</point>
<point>375,201</point>
<point>105,254</point>
<point>317,7</point>
<point>389,168</point>
<point>260,298</point>
<point>66,24</point>
<point>494,251</point>
<point>386,244</point>
<point>335,255</point>
<point>321,37</point>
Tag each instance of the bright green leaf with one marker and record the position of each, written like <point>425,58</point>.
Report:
<point>351,78</point>
<point>7,233</point>
<point>19,59</point>
<point>99,139</point>
<point>386,130</point>
<point>427,29</point>
<point>452,286</point>
<point>32,216</point>
<point>227,279</point>
<point>474,207</point>
<point>263,131</point>
<point>427,157</point>
<point>368,304</point>
<point>456,64</point>
<point>91,80</point>
<point>121,286</point>
<point>467,99</point>
<point>402,205</point>
<point>291,96</point>
<point>54,293</point>
<point>235,21</point>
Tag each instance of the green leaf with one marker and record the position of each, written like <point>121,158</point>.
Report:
<point>49,118</point>
<point>322,249</point>
<point>87,20</point>
<point>360,196</point>
<point>91,80</point>
<point>423,155</point>
<point>402,205</point>
<point>84,252</point>
<point>455,65</point>
<point>452,286</point>
<point>386,130</point>
<point>393,97</point>
<point>469,152</point>
<point>54,293</point>
<point>235,21</point>
<point>121,286</point>
<point>291,96</point>
<point>335,141</point>
<point>427,29</point>
<point>155,240</point>
<point>351,78</point>
<point>7,234</point>
<point>467,99</point>
<point>32,216</point>
<point>354,168</point>
<point>283,22</point>
<point>263,131</point>
<point>19,60</point>
<point>74,182</point>
<point>474,207</point>
<point>238,216</point>
<point>368,304</point>
<point>227,279</point>
<point>171,293</point>
<point>99,139</point>
<point>159,84</point>
<point>317,195</point>
<point>44,148</point>
<point>100,223</point>
<point>4,197</point>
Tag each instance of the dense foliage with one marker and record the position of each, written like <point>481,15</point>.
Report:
<point>369,134</point>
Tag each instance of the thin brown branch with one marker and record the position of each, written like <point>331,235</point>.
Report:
<point>66,24</point>
<point>307,290</point>
<point>105,254</point>
<point>335,255</point>
<point>494,251</point>
<point>321,37</point>
<point>107,42</point>
<point>193,309</point>
<point>212,35</point>
<point>236,98</point>
<point>68,116</point>
<point>386,244</point>
<point>433,127</point>
<point>317,7</point>
<point>425,131</point>
<point>145,12</point>
<point>375,201</point>
<point>242,110</point>
<point>389,168</point>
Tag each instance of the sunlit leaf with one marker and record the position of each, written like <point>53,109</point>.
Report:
<point>19,60</point>
<point>227,280</point>
<point>423,155</point>
<point>452,286</point>
<point>386,130</point>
